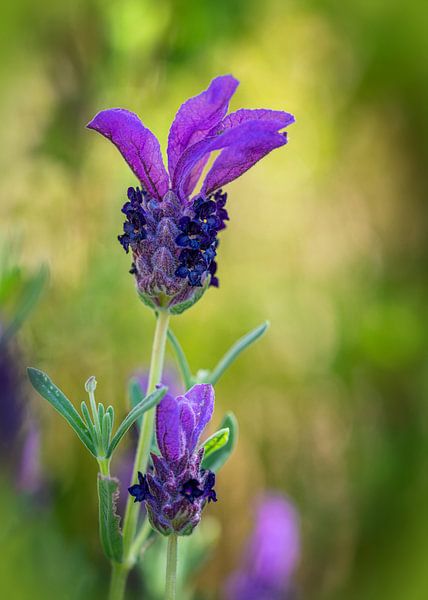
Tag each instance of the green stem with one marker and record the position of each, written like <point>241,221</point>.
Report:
<point>171,568</point>
<point>141,537</point>
<point>118,581</point>
<point>142,455</point>
<point>104,465</point>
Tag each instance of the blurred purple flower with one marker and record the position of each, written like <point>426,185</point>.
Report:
<point>11,399</point>
<point>173,236</point>
<point>19,434</point>
<point>271,556</point>
<point>30,473</point>
<point>178,489</point>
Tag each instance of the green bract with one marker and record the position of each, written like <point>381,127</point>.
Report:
<point>218,453</point>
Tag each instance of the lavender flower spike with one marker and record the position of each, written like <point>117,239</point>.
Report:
<point>177,490</point>
<point>173,235</point>
<point>271,556</point>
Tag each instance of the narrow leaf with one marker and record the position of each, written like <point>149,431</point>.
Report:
<point>144,405</point>
<point>216,441</point>
<point>109,520</point>
<point>136,394</point>
<point>110,411</point>
<point>106,431</point>
<point>181,360</point>
<point>50,392</point>
<point>101,412</point>
<point>216,459</point>
<point>86,416</point>
<point>232,354</point>
<point>88,422</point>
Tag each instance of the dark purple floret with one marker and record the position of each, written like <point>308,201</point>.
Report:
<point>199,239</point>
<point>209,491</point>
<point>191,490</point>
<point>133,228</point>
<point>140,490</point>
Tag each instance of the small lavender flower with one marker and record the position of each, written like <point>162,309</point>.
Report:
<point>173,235</point>
<point>271,556</point>
<point>177,490</point>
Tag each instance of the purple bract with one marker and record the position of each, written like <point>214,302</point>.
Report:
<point>173,234</point>
<point>177,489</point>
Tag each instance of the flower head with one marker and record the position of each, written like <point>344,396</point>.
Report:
<point>177,489</point>
<point>171,231</point>
<point>271,556</point>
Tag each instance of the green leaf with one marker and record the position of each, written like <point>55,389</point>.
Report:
<point>216,459</point>
<point>50,392</point>
<point>181,360</point>
<point>232,354</point>
<point>109,520</point>
<point>110,411</point>
<point>87,417</point>
<point>143,406</point>
<point>106,426</point>
<point>136,394</point>
<point>216,441</point>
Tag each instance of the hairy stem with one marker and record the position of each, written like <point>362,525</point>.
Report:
<point>141,457</point>
<point>171,568</point>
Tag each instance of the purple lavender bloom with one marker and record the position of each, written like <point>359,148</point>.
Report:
<point>172,232</point>
<point>176,491</point>
<point>271,556</point>
<point>19,433</point>
<point>12,399</point>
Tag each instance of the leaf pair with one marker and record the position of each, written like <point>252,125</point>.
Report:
<point>223,364</point>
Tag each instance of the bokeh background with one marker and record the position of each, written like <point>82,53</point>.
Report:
<point>327,240</point>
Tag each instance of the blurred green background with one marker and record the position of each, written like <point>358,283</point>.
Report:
<point>327,240</point>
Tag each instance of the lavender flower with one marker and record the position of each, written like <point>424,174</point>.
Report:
<point>176,491</point>
<point>271,556</point>
<point>173,235</point>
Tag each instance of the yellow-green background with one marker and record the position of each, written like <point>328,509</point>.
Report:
<point>327,240</point>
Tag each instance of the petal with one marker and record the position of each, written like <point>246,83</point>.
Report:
<point>281,118</point>
<point>168,432</point>
<point>238,158</point>
<point>138,146</point>
<point>200,401</point>
<point>187,421</point>
<point>197,116</point>
<point>193,178</point>
<point>250,141</point>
